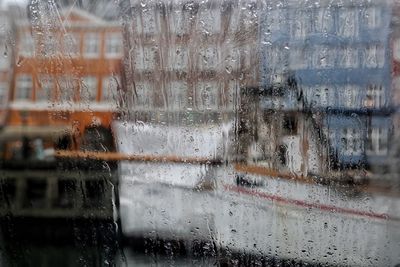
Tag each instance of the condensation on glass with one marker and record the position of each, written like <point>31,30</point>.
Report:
<point>228,133</point>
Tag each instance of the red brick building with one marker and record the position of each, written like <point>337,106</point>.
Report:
<point>65,76</point>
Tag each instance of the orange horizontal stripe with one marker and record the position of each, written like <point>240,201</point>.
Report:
<point>116,156</point>
<point>264,171</point>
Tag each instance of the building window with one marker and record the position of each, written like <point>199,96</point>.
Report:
<point>377,142</point>
<point>301,24</point>
<point>283,155</point>
<point>88,89</point>
<point>233,26</point>
<point>277,58</point>
<point>27,45</point>
<point>374,56</point>
<point>248,16</point>
<point>65,88</point>
<point>348,57</point>
<point>396,90</point>
<point>113,45</point>
<point>275,22</point>
<point>91,45</point>
<point>396,49</point>
<point>351,141</point>
<point>207,95</point>
<point>372,17</point>
<point>5,63</point>
<point>51,46</point>
<point>148,21</point>
<point>298,58</point>
<point>323,20</point>
<point>247,56</point>
<point>24,86</point>
<point>44,90</point>
<point>145,59</point>
<point>144,95</point>
<point>323,57</point>
<point>179,21</point>
<point>319,96</point>
<point>209,20</point>
<point>72,44</point>
<point>231,58</point>
<point>348,22</point>
<point>177,95</point>
<point>322,96</point>
<point>110,87</point>
<point>350,97</point>
<point>179,58</point>
<point>289,124</point>
<point>208,58</point>
<point>3,94</point>
<point>375,97</point>
<point>230,99</point>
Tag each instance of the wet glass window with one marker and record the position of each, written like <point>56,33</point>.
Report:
<point>199,133</point>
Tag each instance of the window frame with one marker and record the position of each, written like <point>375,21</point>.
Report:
<point>213,95</point>
<point>178,89</point>
<point>90,40</point>
<point>113,40</point>
<point>351,141</point>
<point>21,84</point>
<point>377,141</point>
<point>87,89</point>
<point>107,82</point>
<point>45,80</point>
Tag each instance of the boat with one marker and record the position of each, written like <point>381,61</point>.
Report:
<point>242,210</point>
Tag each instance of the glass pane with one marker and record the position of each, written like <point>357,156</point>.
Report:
<point>199,133</point>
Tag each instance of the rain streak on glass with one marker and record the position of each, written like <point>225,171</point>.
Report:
<point>199,133</point>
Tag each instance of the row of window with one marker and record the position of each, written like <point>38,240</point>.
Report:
<point>75,44</point>
<point>343,21</point>
<point>64,88</point>
<point>351,143</point>
<point>320,57</point>
<point>302,22</point>
<point>208,58</point>
<point>348,96</point>
<point>207,95</point>
<point>207,21</point>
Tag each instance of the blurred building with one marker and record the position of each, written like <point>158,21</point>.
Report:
<point>5,63</point>
<point>187,60</point>
<point>65,79</point>
<point>339,55</point>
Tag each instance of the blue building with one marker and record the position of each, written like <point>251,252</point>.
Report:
<point>339,54</point>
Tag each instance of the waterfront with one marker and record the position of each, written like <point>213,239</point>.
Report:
<point>200,133</point>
